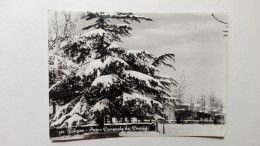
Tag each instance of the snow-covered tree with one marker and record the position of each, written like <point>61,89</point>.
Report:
<point>61,69</point>
<point>105,79</point>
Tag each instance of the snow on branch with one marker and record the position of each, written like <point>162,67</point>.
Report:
<point>77,106</point>
<point>56,61</point>
<point>111,59</point>
<point>137,56</point>
<point>113,45</point>
<point>122,25</point>
<point>113,48</point>
<point>98,65</point>
<point>54,85</point>
<point>106,81</point>
<point>141,76</point>
<point>133,96</point>
<point>73,121</point>
<point>94,33</point>
<point>139,53</point>
<point>90,68</point>
<point>101,105</point>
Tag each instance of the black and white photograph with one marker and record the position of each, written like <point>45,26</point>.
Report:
<point>131,73</point>
<point>127,74</point>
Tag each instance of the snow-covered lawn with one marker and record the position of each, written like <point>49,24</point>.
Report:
<point>193,130</point>
<point>183,130</point>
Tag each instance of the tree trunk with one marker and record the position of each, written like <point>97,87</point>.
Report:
<point>105,119</point>
<point>156,126</point>
<point>110,119</point>
<point>54,108</point>
<point>142,119</point>
<point>129,119</point>
<point>100,121</point>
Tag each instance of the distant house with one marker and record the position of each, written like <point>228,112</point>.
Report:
<point>169,113</point>
<point>182,107</point>
<point>206,109</point>
<point>169,108</point>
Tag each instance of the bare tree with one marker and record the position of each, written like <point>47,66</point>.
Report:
<point>181,87</point>
<point>214,100</point>
<point>60,31</point>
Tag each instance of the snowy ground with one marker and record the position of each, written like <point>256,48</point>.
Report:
<point>183,130</point>
<point>170,130</point>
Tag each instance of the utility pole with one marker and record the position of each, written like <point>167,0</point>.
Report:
<point>164,119</point>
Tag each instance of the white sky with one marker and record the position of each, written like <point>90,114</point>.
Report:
<point>198,42</point>
<point>196,39</point>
